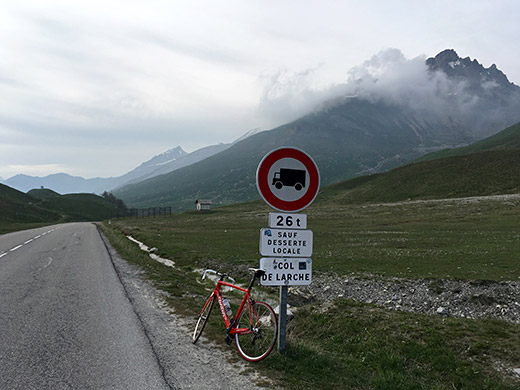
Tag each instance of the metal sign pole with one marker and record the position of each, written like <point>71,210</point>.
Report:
<point>282,318</point>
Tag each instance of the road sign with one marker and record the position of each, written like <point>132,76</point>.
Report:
<point>288,221</point>
<point>286,272</point>
<point>288,179</point>
<point>285,243</point>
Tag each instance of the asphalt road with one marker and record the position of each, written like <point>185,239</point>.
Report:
<point>65,318</point>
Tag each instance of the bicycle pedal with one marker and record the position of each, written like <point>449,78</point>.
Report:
<point>229,340</point>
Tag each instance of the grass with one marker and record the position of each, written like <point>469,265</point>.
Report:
<point>483,173</point>
<point>437,239</point>
<point>359,346</point>
<point>347,344</point>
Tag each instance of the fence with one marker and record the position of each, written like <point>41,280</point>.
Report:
<point>144,213</point>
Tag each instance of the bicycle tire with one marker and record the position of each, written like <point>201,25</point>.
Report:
<point>257,344</point>
<point>203,319</point>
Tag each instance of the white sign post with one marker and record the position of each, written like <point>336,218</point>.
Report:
<point>288,180</point>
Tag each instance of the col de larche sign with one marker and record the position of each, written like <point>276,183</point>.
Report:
<point>288,180</point>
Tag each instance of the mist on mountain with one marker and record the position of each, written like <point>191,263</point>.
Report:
<point>446,85</point>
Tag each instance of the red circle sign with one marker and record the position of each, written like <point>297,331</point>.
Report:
<point>288,179</point>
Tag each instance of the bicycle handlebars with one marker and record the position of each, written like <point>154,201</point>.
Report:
<point>218,274</point>
<point>257,271</point>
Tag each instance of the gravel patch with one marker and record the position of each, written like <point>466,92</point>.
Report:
<point>454,298</point>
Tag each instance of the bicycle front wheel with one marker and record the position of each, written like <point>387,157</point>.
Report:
<point>259,339</point>
<point>203,319</point>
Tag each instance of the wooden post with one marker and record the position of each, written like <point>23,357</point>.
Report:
<point>282,318</point>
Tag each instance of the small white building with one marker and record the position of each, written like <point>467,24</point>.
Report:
<point>203,205</point>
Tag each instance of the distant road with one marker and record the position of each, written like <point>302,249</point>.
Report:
<point>65,319</point>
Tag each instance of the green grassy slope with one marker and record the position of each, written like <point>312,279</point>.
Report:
<point>17,207</point>
<point>487,167</point>
<point>477,174</point>
<point>80,207</point>
<point>45,206</point>
<point>43,193</point>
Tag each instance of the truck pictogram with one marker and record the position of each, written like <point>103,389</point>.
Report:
<point>290,178</point>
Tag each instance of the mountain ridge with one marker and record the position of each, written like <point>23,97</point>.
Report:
<point>348,137</point>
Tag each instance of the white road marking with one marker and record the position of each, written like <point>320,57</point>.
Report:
<point>27,242</point>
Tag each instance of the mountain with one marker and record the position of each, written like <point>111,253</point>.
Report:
<point>147,168</point>
<point>457,104</point>
<point>163,163</point>
<point>485,98</point>
<point>488,167</point>
<point>166,162</point>
<point>59,182</point>
<point>170,161</point>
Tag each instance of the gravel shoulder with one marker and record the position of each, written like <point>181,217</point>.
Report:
<point>185,365</point>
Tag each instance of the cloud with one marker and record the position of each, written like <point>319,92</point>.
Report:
<point>387,77</point>
<point>288,95</point>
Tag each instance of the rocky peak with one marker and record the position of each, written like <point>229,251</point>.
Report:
<point>449,62</point>
<point>164,158</point>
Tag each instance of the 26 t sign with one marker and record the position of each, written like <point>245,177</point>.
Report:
<point>290,221</point>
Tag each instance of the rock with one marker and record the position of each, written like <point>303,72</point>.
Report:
<point>442,311</point>
<point>290,314</point>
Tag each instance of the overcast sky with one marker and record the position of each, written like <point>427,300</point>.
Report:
<point>94,88</point>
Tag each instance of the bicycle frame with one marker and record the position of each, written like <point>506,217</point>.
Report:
<point>230,322</point>
<point>253,327</point>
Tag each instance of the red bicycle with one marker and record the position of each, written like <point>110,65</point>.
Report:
<point>253,327</point>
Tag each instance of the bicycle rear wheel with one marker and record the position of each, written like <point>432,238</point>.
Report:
<point>203,319</point>
<point>255,344</point>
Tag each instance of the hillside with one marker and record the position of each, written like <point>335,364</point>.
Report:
<point>508,139</point>
<point>476,174</point>
<point>17,207</point>
<point>80,207</point>
<point>42,193</point>
<point>46,206</point>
